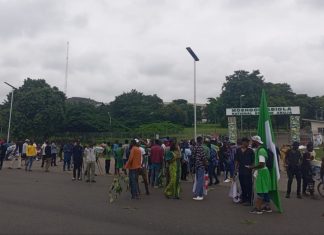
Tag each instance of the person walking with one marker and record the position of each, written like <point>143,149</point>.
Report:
<point>48,156</point>
<point>262,174</point>
<point>293,163</point>
<point>31,154</point>
<point>212,164</point>
<point>125,148</point>
<point>156,158</point>
<point>133,165</point>
<point>245,157</point>
<point>143,170</point>
<point>200,162</point>
<point>77,161</point>
<point>108,154</point>
<point>90,158</point>
<point>173,157</point>
<point>53,154</point>
<point>24,150</point>
<point>118,153</point>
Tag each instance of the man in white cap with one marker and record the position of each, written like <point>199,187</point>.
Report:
<point>262,177</point>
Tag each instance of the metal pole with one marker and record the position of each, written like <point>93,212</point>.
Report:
<point>195,103</point>
<point>8,136</point>
<point>241,115</point>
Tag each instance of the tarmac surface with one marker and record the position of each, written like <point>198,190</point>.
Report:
<point>51,203</point>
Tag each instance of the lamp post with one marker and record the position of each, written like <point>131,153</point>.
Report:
<point>241,96</point>
<point>109,118</point>
<point>194,56</point>
<point>9,124</point>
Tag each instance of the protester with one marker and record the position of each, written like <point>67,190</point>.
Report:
<point>134,164</point>
<point>43,152</point>
<point>77,161</point>
<point>293,163</point>
<point>156,158</point>
<point>17,155</point>
<point>173,157</point>
<point>185,160</point>
<point>118,153</point>
<point>47,156</point>
<point>245,157</point>
<point>3,150</point>
<point>126,152</point>
<point>53,154</point>
<point>90,158</point>
<point>212,164</point>
<point>31,154</point>
<point>108,154</point>
<point>67,151</point>
<point>307,173</point>
<point>262,177</point>
<point>24,150</point>
<point>200,160</point>
<point>144,165</point>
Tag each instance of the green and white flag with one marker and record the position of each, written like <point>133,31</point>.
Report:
<point>266,134</point>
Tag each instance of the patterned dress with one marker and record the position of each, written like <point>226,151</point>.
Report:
<point>173,188</point>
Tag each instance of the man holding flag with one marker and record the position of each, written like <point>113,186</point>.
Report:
<point>266,140</point>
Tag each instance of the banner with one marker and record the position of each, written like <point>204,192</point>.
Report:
<point>295,128</point>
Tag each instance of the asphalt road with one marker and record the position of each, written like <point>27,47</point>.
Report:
<point>50,203</point>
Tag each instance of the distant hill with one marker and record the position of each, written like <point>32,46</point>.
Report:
<point>83,101</point>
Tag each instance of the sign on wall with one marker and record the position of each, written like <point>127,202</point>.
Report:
<point>293,110</point>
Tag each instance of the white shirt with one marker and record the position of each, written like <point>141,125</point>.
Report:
<point>24,148</point>
<point>90,155</point>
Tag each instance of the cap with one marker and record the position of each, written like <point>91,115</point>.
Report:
<point>257,138</point>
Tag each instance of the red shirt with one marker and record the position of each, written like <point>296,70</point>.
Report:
<point>157,154</point>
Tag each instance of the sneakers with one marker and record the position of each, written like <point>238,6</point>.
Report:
<point>198,198</point>
<point>79,179</point>
<point>267,209</point>
<point>73,179</point>
<point>227,181</point>
<point>256,211</point>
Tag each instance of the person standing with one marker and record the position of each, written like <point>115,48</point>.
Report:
<point>48,156</point>
<point>31,153</point>
<point>133,165</point>
<point>125,148</point>
<point>156,156</point>
<point>143,170</point>
<point>200,162</point>
<point>3,150</point>
<point>17,156</point>
<point>245,157</point>
<point>293,163</point>
<point>43,152</point>
<point>67,151</point>
<point>24,150</point>
<point>262,174</point>
<point>173,157</point>
<point>118,153</point>
<point>53,154</point>
<point>77,161</point>
<point>108,154</point>
<point>212,164</point>
<point>90,158</point>
<point>307,173</point>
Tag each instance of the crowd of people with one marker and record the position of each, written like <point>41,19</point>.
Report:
<point>165,163</point>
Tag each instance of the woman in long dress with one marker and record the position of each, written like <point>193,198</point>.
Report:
<point>173,157</point>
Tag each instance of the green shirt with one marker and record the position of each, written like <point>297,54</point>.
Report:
<point>108,153</point>
<point>262,181</point>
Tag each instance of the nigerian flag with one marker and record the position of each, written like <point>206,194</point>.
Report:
<point>266,134</point>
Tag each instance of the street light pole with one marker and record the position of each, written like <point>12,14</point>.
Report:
<point>241,114</point>
<point>194,56</point>
<point>109,118</point>
<point>9,124</point>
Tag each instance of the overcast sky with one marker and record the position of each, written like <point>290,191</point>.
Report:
<point>116,46</point>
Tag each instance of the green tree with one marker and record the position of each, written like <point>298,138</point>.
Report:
<point>38,109</point>
<point>134,108</point>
